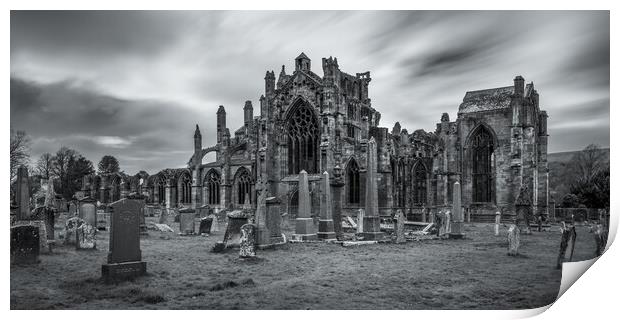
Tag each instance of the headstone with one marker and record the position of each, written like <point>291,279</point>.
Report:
<point>24,244</point>
<point>47,215</point>
<point>88,211</point>
<point>304,224</point>
<point>22,194</point>
<point>124,256</point>
<point>214,224</point>
<point>540,221</point>
<point>42,231</point>
<point>513,240</point>
<point>498,219</point>
<point>72,209</point>
<point>205,225</point>
<point>439,222</point>
<point>326,224</point>
<point>163,216</point>
<point>85,235</point>
<point>186,221</point>
<point>71,226</point>
<point>337,183</point>
<point>236,219</point>
<point>567,244</point>
<point>247,241</point>
<point>523,206</point>
<point>102,220</point>
<point>447,222</point>
<point>360,221</point>
<point>372,228</point>
<point>263,237</point>
<point>399,228</point>
<point>456,227</point>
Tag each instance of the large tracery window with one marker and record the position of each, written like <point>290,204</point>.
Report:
<point>186,189</point>
<point>419,185</point>
<point>303,141</point>
<point>244,186</point>
<point>353,182</point>
<point>213,182</point>
<point>482,165</point>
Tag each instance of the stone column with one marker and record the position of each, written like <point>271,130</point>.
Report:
<point>263,235</point>
<point>326,224</point>
<point>372,230</point>
<point>22,194</point>
<point>337,183</point>
<point>457,213</point>
<point>304,225</point>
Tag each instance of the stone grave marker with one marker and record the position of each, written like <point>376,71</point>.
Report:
<point>513,240</point>
<point>24,244</point>
<point>163,215</point>
<point>124,256</point>
<point>399,227</point>
<point>42,232</point>
<point>187,226</point>
<point>360,221</point>
<point>274,219</point>
<point>47,215</point>
<point>71,226</point>
<point>456,227</point>
<point>205,225</point>
<point>87,210</point>
<point>103,219</point>
<point>73,210</point>
<point>236,219</point>
<point>326,224</point>
<point>247,241</point>
<point>372,227</point>
<point>214,224</point>
<point>304,224</point>
<point>85,235</point>
<point>498,219</point>
<point>22,194</point>
<point>447,222</point>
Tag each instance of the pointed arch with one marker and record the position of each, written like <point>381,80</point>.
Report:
<point>302,134</point>
<point>185,187</point>
<point>243,186</point>
<point>399,178</point>
<point>420,179</point>
<point>353,182</point>
<point>212,183</point>
<point>482,144</point>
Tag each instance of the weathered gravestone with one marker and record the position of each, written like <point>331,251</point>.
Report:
<point>87,210</point>
<point>447,222</point>
<point>399,227</point>
<point>304,224</point>
<point>85,237</point>
<point>326,224</point>
<point>236,219</point>
<point>187,226</point>
<point>40,225</point>
<point>71,226</point>
<point>215,224</point>
<point>73,209</point>
<point>163,215</point>
<point>567,244</point>
<point>456,227</point>
<point>523,206</point>
<point>124,257</point>
<point>205,225</point>
<point>372,227</point>
<point>22,194</point>
<point>513,240</point>
<point>24,244</point>
<point>274,219</point>
<point>498,219</point>
<point>103,220</point>
<point>360,221</point>
<point>247,241</point>
<point>47,215</point>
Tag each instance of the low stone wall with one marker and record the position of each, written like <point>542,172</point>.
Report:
<point>580,214</point>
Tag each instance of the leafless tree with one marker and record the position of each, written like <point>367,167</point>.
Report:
<point>20,150</point>
<point>44,165</point>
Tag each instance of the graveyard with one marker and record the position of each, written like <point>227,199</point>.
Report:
<point>184,273</point>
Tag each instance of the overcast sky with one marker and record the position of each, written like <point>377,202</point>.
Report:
<point>134,84</point>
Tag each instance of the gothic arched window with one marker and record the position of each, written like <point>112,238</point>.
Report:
<point>186,189</point>
<point>482,165</point>
<point>401,183</point>
<point>419,185</point>
<point>353,182</point>
<point>244,186</point>
<point>115,189</point>
<point>161,190</point>
<point>303,141</point>
<point>213,182</point>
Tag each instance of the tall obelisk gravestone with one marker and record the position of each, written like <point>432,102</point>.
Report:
<point>372,230</point>
<point>326,224</point>
<point>304,225</point>
<point>23,194</point>
<point>457,213</point>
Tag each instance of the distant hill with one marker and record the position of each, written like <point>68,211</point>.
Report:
<point>566,156</point>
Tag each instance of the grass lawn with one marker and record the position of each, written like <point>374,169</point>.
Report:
<point>475,273</point>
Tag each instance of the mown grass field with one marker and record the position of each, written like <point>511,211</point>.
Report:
<point>475,273</point>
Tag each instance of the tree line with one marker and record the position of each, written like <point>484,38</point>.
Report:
<point>67,167</point>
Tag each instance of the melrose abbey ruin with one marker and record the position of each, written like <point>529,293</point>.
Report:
<point>496,145</point>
